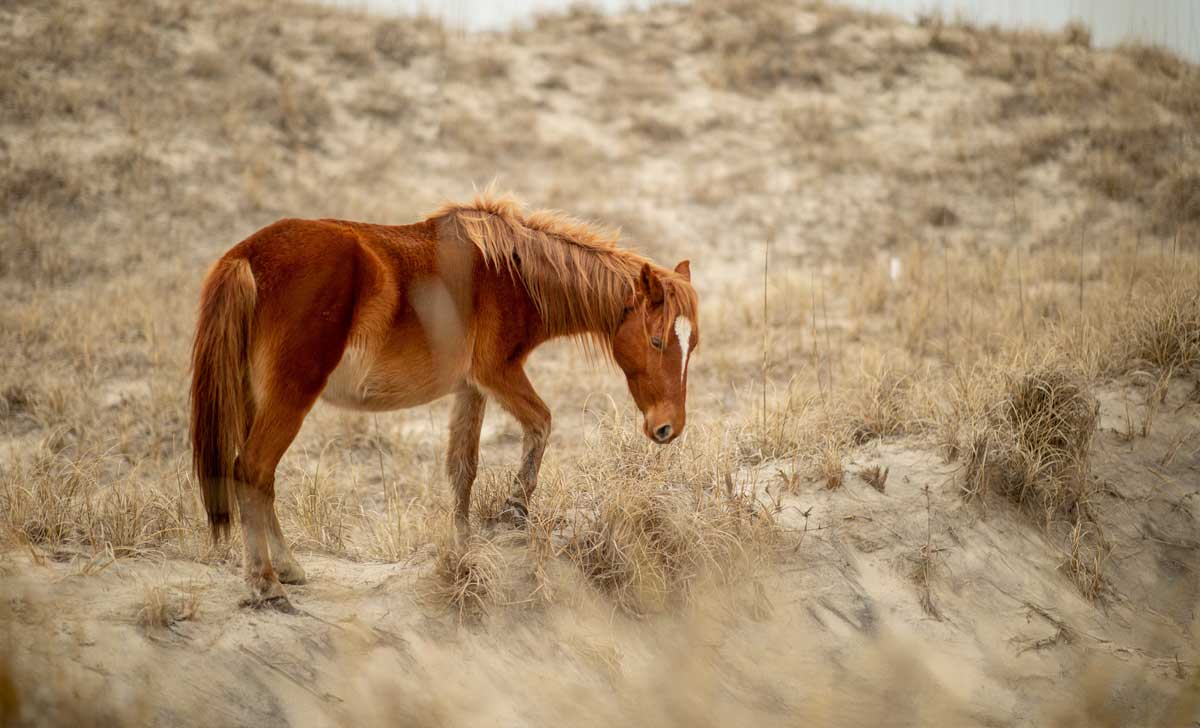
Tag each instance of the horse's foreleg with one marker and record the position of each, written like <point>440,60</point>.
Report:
<point>516,395</point>
<point>462,455</point>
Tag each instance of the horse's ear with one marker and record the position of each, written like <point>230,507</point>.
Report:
<point>630,304</point>
<point>651,287</point>
<point>684,269</point>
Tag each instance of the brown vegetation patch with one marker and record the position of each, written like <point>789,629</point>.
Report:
<point>941,216</point>
<point>875,476</point>
<point>758,47</point>
<point>465,579</point>
<point>1177,202</point>
<point>1161,333</point>
<point>163,606</point>
<point>402,41</point>
<point>650,549</point>
<point>1033,450</point>
<point>74,502</point>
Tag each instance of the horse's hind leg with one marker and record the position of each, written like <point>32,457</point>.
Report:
<point>275,426</point>
<point>462,456</point>
<point>287,568</point>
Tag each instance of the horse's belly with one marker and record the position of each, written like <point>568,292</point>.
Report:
<point>373,382</point>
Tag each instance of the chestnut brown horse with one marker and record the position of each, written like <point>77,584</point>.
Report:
<point>374,317</point>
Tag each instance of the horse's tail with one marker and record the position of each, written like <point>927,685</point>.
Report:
<point>221,404</point>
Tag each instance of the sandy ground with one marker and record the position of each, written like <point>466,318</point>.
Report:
<point>836,632</point>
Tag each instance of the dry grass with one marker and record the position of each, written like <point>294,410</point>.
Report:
<point>1033,447</point>
<point>882,406</point>
<point>407,523</point>
<point>925,563</point>
<point>829,469</point>
<point>163,606</point>
<point>651,550</point>
<point>1161,333</point>
<point>758,48</point>
<point>319,513</point>
<point>403,41</point>
<point>63,501</point>
<point>465,578</point>
<point>646,534</point>
<point>875,476</point>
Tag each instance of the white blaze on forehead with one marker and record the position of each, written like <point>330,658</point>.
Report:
<point>683,332</point>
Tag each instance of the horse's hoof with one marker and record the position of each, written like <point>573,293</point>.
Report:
<point>278,604</point>
<point>291,574</point>
<point>515,512</point>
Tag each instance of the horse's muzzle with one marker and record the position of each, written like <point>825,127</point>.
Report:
<point>662,433</point>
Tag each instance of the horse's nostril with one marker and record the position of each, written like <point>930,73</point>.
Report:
<point>663,433</point>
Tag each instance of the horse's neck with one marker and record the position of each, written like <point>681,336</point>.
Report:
<point>589,308</point>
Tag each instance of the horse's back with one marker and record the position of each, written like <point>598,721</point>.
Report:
<point>295,245</point>
<point>392,305</point>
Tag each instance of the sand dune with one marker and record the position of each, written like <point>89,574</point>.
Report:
<point>944,430</point>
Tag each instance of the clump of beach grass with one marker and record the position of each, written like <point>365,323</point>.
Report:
<point>1032,449</point>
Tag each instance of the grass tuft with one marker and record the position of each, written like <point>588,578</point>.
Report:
<point>1161,332</point>
<point>648,549</point>
<point>875,476</point>
<point>163,606</point>
<point>1033,449</point>
<point>465,577</point>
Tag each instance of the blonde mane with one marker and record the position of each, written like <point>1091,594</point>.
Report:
<point>576,276</point>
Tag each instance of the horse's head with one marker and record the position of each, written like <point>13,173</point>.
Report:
<point>657,336</point>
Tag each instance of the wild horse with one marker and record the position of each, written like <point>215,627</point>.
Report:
<point>375,317</point>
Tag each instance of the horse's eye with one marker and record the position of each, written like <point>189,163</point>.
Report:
<point>656,342</point>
